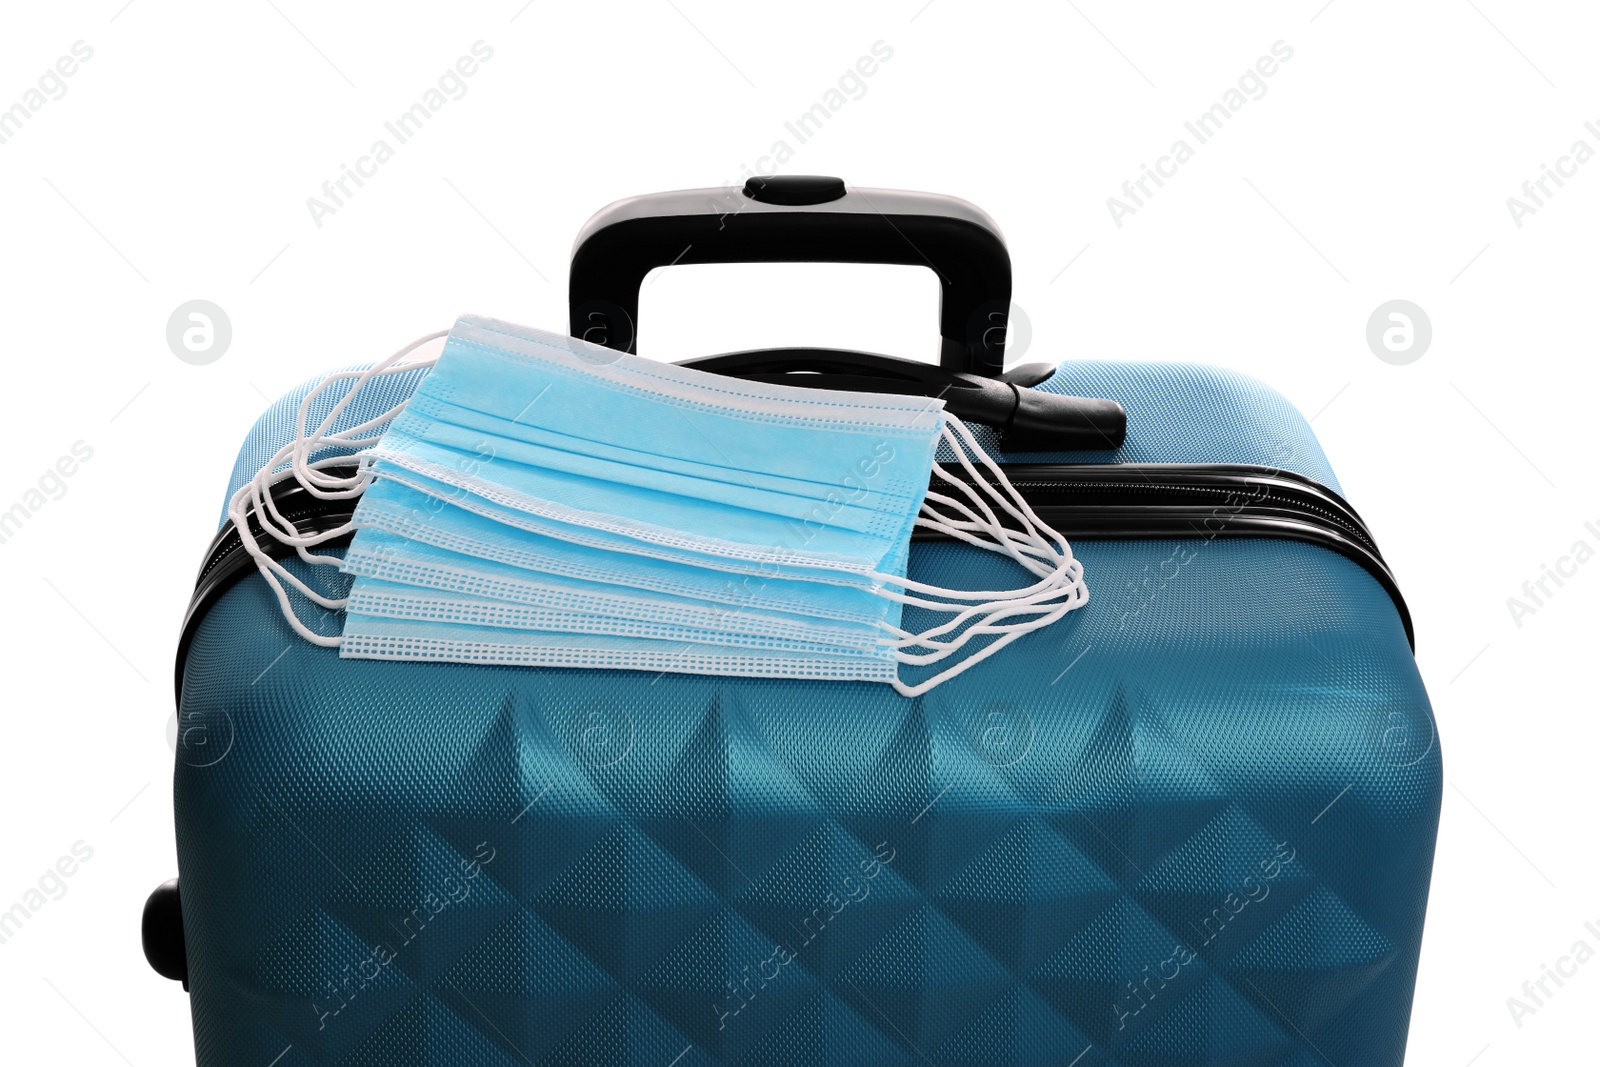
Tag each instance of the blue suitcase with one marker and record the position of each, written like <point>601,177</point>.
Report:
<point>1191,823</point>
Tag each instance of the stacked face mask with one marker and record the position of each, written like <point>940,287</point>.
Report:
<point>546,502</point>
<point>542,501</point>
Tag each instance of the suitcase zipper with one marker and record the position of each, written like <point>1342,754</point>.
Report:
<point>1164,501</point>
<point>1117,501</point>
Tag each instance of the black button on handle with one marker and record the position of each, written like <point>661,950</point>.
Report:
<point>794,190</point>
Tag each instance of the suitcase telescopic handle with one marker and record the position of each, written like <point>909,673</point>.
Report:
<point>798,219</point>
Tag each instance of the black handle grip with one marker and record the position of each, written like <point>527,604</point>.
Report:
<point>798,219</point>
<point>1029,420</point>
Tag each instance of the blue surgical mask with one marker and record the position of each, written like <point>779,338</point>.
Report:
<point>623,617</point>
<point>543,501</point>
<point>446,515</point>
<point>427,572</point>
<point>463,551</point>
<point>366,637</point>
<point>668,455</point>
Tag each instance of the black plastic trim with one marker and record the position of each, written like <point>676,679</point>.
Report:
<point>1111,501</point>
<point>1029,420</point>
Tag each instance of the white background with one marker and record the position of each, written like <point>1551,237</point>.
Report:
<point>178,164</point>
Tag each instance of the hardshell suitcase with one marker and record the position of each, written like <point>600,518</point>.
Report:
<point>1191,823</point>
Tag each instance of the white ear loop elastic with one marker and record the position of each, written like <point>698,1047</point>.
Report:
<point>1036,547</point>
<point>255,497</point>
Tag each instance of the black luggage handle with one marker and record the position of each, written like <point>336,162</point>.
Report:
<point>798,219</point>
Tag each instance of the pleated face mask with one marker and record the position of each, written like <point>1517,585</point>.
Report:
<point>546,502</point>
